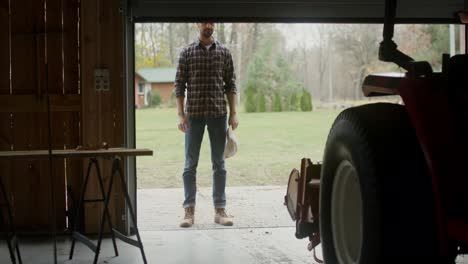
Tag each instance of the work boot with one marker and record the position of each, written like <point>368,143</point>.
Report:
<point>222,218</point>
<point>189,217</point>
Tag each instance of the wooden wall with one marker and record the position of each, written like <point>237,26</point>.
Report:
<point>164,89</point>
<point>102,47</point>
<point>59,52</point>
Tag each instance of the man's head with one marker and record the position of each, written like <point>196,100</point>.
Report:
<point>206,29</point>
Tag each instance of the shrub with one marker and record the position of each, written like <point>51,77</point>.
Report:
<point>277,107</point>
<point>154,99</point>
<point>293,102</point>
<point>250,105</point>
<point>261,102</point>
<point>306,101</point>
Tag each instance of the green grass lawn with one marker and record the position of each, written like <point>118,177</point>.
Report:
<point>270,146</point>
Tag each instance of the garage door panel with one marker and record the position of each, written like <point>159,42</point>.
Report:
<point>333,10</point>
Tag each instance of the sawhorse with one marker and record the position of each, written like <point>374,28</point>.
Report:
<point>116,169</point>
<point>10,232</point>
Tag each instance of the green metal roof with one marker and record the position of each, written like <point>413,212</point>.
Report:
<point>158,75</point>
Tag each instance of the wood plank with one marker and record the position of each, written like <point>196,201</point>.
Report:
<point>29,195</point>
<point>5,144</point>
<point>113,110</point>
<point>40,122</point>
<point>31,189</point>
<point>101,46</point>
<point>55,65</point>
<point>4,48</point>
<point>58,120</point>
<point>54,15</point>
<point>74,168</point>
<point>42,195</point>
<point>28,184</point>
<point>26,48</point>
<point>32,103</point>
<point>6,136</point>
<point>90,45</point>
<point>54,46</point>
<point>70,46</point>
<point>25,14</point>
<point>23,65</point>
<point>44,164</point>
<point>73,153</point>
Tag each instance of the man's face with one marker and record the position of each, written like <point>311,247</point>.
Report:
<point>206,29</point>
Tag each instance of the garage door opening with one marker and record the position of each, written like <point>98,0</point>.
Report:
<point>292,79</point>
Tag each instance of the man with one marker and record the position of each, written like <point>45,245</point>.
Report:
<point>206,73</point>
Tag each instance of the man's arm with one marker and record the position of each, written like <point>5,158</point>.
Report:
<point>229,77</point>
<point>233,121</point>
<point>179,90</point>
<point>181,114</point>
<point>231,90</point>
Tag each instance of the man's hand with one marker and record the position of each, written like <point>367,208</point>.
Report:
<point>182,123</point>
<point>233,121</point>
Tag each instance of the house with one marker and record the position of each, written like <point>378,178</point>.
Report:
<point>154,80</point>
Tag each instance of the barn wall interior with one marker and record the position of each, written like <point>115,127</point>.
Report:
<point>59,45</point>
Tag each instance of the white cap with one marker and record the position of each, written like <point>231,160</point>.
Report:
<point>231,144</point>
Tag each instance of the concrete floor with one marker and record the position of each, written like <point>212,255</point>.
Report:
<point>179,247</point>
<point>263,233</point>
<point>251,207</point>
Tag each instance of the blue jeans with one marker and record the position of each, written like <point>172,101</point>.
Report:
<point>193,139</point>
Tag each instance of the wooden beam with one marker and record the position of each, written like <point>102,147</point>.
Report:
<point>70,47</point>
<point>73,153</point>
<point>4,48</point>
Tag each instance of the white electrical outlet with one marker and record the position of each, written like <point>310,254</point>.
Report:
<point>101,79</point>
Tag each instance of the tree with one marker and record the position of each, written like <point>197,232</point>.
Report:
<point>293,102</point>
<point>262,106</point>
<point>220,32</point>
<point>171,43</point>
<point>151,50</point>
<point>358,45</point>
<point>264,61</point>
<point>323,52</point>
<point>250,102</point>
<point>306,101</point>
<point>259,74</point>
<point>439,43</point>
<point>186,33</point>
<point>269,74</point>
<point>277,107</point>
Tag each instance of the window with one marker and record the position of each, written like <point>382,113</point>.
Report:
<point>141,88</point>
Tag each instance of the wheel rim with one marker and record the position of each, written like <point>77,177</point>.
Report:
<point>346,214</point>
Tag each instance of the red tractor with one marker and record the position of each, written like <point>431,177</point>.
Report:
<point>393,185</point>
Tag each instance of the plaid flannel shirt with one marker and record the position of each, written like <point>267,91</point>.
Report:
<point>206,75</point>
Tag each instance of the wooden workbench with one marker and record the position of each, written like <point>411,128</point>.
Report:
<point>73,153</point>
<point>116,154</point>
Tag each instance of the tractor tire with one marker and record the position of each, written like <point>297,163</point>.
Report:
<point>376,201</point>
